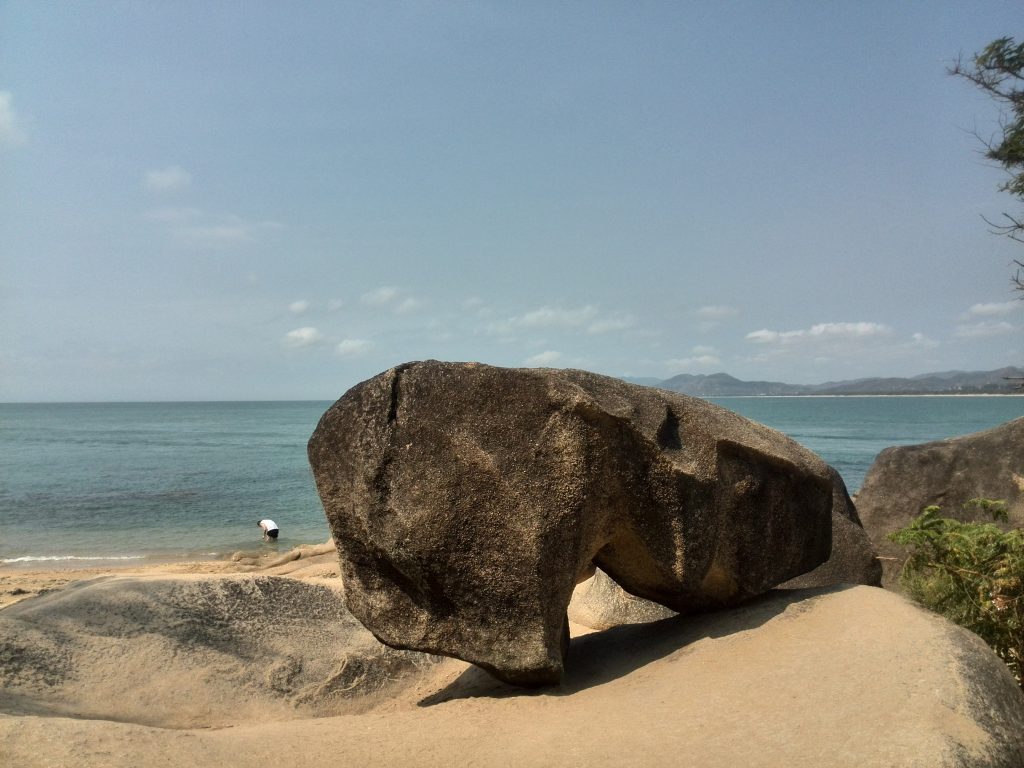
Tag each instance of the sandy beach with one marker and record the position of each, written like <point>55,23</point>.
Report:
<point>18,582</point>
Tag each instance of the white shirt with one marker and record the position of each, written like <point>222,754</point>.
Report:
<point>268,525</point>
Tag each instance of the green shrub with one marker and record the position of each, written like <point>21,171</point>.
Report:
<point>971,573</point>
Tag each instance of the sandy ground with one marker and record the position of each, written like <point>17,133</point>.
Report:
<point>853,676</point>
<point>310,562</point>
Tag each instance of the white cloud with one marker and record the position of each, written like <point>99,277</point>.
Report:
<point>700,357</point>
<point>716,312</point>
<point>195,228</point>
<point>586,318</point>
<point>765,336</point>
<point>407,305</point>
<point>12,134</point>
<point>995,308</point>
<point>849,330</point>
<point>617,322</point>
<point>392,298</point>
<point>174,215</point>
<point>200,230</point>
<point>855,347</point>
<point>476,306</point>
<point>546,358</point>
<point>713,315</point>
<point>298,307</point>
<point>170,179</point>
<point>353,347</point>
<point>380,296</point>
<point>823,331</point>
<point>303,337</point>
<point>554,317</point>
<point>217,235</point>
<point>983,330</point>
<point>700,361</point>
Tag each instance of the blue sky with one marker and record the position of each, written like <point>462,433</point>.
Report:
<point>257,201</point>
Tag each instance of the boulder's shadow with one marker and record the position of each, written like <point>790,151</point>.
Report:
<point>600,657</point>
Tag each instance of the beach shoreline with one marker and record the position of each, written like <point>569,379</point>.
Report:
<point>20,581</point>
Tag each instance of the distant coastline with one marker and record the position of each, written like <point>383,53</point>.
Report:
<point>891,394</point>
<point>1002,381</point>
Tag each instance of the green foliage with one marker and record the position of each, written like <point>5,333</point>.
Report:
<point>998,70</point>
<point>971,573</point>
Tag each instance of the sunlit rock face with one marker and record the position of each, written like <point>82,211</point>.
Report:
<point>465,501</point>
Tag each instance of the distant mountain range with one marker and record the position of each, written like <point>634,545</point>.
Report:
<point>945,383</point>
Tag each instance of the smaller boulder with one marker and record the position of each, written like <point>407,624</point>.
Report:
<point>600,603</point>
<point>905,479</point>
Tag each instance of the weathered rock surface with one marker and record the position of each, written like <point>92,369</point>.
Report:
<point>600,603</point>
<point>181,653</point>
<point>853,559</point>
<point>465,500</point>
<point>903,480</point>
<point>847,678</point>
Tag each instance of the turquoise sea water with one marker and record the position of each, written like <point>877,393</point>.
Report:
<point>848,432</point>
<point>85,483</point>
<point>167,480</point>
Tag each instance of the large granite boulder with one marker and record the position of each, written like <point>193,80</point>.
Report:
<point>903,480</point>
<point>466,500</point>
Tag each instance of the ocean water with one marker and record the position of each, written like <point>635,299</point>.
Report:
<point>104,483</point>
<point>154,480</point>
<point>849,432</point>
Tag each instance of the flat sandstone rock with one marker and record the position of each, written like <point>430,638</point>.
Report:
<point>467,500</point>
<point>849,678</point>
<point>181,652</point>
